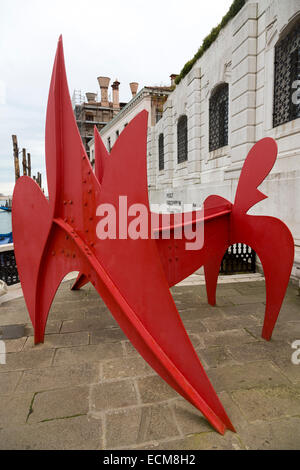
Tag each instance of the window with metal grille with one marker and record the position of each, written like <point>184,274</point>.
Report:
<point>218,118</point>
<point>239,258</point>
<point>182,145</point>
<point>8,268</point>
<point>161,156</point>
<point>158,114</point>
<point>287,73</point>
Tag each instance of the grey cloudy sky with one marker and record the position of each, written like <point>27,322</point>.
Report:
<point>130,40</point>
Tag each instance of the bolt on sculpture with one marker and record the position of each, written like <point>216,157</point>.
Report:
<point>133,276</point>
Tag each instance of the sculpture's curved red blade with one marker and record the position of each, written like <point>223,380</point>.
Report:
<point>128,274</point>
<point>258,164</point>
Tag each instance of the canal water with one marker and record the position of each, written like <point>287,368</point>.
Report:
<point>5,222</point>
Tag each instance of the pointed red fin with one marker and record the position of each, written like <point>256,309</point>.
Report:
<point>68,169</point>
<point>101,154</point>
<point>257,166</point>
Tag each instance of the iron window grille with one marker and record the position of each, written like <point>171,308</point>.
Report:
<point>239,258</point>
<point>158,115</point>
<point>8,268</point>
<point>161,156</point>
<point>218,117</point>
<point>286,73</point>
<point>182,144</point>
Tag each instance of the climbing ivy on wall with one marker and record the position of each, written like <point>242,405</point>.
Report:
<point>236,6</point>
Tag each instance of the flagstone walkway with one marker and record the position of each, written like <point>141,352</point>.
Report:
<point>87,388</point>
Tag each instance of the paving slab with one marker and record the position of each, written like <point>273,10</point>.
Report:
<point>54,404</point>
<point>31,359</point>
<point>78,433</point>
<point>137,425</point>
<point>235,377</point>
<point>14,409</point>
<point>126,367</point>
<point>227,337</point>
<point>154,389</point>
<point>281,434</point>
<point>87,354</point>
<point>268,403</point>
<point>9,381</point>
<point>49,378</point>
<point>113,395</point>
<point>55,341</point>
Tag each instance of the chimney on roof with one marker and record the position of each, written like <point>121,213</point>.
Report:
<point>103,83</point>
<point>133,87</point>
<point>172,77</point>
<point>91,97</point>
<point>115,87</point>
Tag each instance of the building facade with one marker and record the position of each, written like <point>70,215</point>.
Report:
<point>243,88</point>
<point>149,98</point>
<point>90,111</point>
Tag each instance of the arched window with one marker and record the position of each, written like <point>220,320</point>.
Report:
<point>182,145</point>
<point>161,155</point>
<point>286,77</point>
<point>218,118</point>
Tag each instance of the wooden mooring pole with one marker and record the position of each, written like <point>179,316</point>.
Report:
<point>24,162</point>
<point>16,156</point>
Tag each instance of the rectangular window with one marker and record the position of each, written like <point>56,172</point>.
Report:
<point>286,75</point>
<point>182,144</point>
<point>295,83</point>
<point>218,117</point>
<point>161,158</point>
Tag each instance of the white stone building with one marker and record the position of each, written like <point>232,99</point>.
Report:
<point>238,92</point>
<point>229,100</point>
<point>148,98</point>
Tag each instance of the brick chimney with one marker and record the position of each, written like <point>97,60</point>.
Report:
<point>115,87</point>
<point>133,87</point>
<point>172,77</point>
<point>91,97</point>
<point>103,83</point>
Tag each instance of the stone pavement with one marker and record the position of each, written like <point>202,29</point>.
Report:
<point>87,388</point>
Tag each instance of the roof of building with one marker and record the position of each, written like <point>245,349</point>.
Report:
<point>146,90</point>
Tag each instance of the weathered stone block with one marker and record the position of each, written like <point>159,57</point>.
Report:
<point>64,403</point>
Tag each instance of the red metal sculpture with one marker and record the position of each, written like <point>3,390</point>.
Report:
<point>133,276</point>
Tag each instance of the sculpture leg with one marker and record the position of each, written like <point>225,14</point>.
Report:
<point>273,242</point>
<point>81,281</point>
<point>211,272</point>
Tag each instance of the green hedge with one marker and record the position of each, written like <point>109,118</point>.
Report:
<point>236,6</point>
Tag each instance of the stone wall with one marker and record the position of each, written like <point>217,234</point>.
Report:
<point>243,57</point>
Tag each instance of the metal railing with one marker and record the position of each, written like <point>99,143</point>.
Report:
<point>8,268</point>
